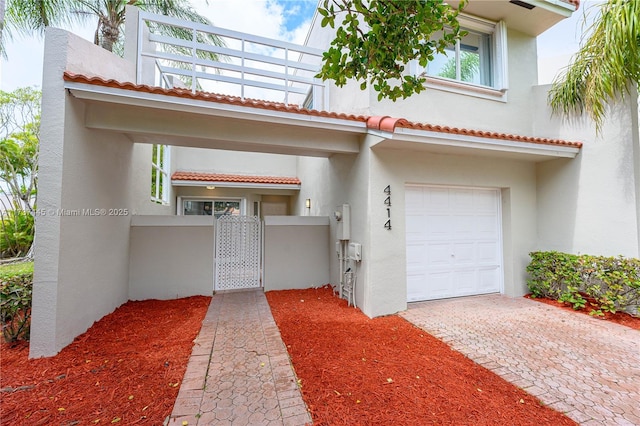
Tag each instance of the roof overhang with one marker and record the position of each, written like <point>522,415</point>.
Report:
<point>455,144</point>
<point>160,116</point>
<point>532,17</point>
<point>161,119</point>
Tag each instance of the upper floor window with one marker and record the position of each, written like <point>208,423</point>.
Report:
<point>468,61</point>
<point>477,64</point>
<point>160,168</point>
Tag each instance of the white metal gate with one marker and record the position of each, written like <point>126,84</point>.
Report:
<point>238,259</point>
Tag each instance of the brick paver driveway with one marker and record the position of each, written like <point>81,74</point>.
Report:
<point>585,367</point>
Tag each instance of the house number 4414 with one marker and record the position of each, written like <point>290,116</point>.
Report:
<point>387,202</point>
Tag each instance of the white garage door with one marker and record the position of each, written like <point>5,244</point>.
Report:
<point>454,245</point>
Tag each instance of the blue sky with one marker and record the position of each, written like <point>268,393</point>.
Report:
<point>296,12</point>
<point>280,19</point>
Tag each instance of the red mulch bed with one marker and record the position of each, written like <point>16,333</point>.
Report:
<point>621,318</point>
<point>126,369</point>
<point>360,371</point>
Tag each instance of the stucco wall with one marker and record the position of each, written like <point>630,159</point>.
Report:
<point>296,252</point>
<point>340,179</point>
<point>387,256</point>
<point>171,257</point>
<point>233,162</point>
<point>321,185</point>
<point>447,108</point>
<point>589,205</point>
<point>360,181</point>
<point>82,257</point>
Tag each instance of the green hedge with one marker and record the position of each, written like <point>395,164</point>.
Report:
<point>15,305</point>
<point>606,284</point>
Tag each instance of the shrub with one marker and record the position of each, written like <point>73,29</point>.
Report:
<point>16,233</point>
<point>608,283</point>
<point>15,305</point>
<point>614,282</point>
<point>552,274</point>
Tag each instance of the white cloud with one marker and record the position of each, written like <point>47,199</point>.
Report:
<point>265,18</point>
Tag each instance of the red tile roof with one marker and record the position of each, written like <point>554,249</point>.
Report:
<point>211,97</point>
<point>389,124</point>
<point>217,177</point>
<point>384,123</point>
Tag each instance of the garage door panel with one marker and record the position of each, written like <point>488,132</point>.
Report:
<point>484,201</point>
<point>489,279</point>
<point>416,227</point>
<point>436,200</point>
<point>439,285</point>
<point>415,291</point>
<point>437,226</point>
<point>438,255</point>
<point>414,198</point>
<point>486,226</point>
<point>454,244</point>
<point>462,200</point>
<point>463,225</point>
<point>488,252</point>
<point>464,282</point>
<point>416,253</point>
<point>463,253</point>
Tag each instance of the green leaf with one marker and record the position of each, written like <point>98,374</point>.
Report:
<point>377,38</point>
<point>602,70</point>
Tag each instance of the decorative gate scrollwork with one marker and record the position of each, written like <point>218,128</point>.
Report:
<point>238,260</point>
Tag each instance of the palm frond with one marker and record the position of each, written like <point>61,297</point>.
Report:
<point>29,16</point>
<point>604,67</point>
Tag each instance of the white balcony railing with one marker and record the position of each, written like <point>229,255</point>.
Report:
<point>245,65</point>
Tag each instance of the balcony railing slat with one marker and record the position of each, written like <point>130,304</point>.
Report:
<point>235,80</point>
<point>239,69</point>
<point>225,51</point>
<point>289,69</point>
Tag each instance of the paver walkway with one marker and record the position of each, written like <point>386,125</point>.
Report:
<point>582,366</point>
<point>239,372</point>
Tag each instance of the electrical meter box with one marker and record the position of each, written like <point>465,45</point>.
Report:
<point>355,252</point>
<point>343,220</point>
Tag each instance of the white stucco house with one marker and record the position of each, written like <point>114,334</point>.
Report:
<point>440,195</point>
